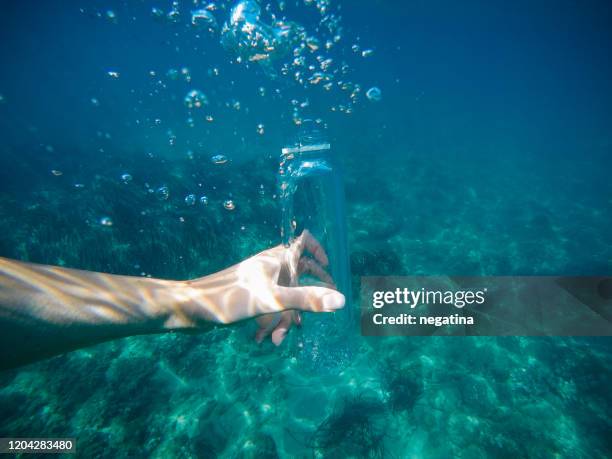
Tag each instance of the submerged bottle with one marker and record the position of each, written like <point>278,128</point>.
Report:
<point>312,198</point>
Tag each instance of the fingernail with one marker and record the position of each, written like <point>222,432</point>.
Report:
<point>333,301</point>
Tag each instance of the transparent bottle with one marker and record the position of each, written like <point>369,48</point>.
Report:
<point>312,197</point>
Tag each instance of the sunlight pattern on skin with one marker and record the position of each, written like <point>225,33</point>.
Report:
<point>70,302</point>
<point>265,285</point>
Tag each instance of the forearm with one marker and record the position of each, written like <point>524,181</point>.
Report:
<point>47,310</point>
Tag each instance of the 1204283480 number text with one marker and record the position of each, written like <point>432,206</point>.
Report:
<point>37,445</point>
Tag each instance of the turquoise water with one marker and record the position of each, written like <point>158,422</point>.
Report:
<point>488,153</point>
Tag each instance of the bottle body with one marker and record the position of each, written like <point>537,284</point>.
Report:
<point>312,198</point>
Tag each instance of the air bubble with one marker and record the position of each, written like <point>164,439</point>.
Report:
<point>157,13</point>
<point>219,159</point>
<point>190,199</point>
<point>374,94</point>
<point>203,18</point>
<point>174,14</point>
<point>186,74</point>
<point>229,204</point>
<point>162,193</point>
<point>313,44</point>
<point>106,221</point>
<point>126,178</point>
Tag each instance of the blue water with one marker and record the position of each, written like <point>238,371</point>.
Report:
<point>488,154</point>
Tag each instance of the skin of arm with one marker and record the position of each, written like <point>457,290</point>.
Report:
<point>48,310</point>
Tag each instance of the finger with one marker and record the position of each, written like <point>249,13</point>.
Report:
<point>306,241</point>
<point>267,323</point>
<point>317,299</point>
<point>279,333</point>
<point>260,335</point>
<point>309,266</point>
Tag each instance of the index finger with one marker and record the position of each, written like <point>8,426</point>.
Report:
<point>306,241</point>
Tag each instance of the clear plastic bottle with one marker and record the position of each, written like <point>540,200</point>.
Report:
<point>312,198</point>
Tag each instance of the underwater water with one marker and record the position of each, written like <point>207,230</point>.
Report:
<point>143,138</point>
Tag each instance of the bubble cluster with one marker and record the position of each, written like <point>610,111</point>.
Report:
<point>252,39</point>
<point>315,53</point>
<point>284,48</point>
<point>306,65</point>
<point>195,99</point>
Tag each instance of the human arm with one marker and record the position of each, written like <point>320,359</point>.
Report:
<point>48,310</point>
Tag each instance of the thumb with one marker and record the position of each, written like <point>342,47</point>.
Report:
<point>316,299</point>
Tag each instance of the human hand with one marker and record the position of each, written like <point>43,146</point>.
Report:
<point>263,286</point>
